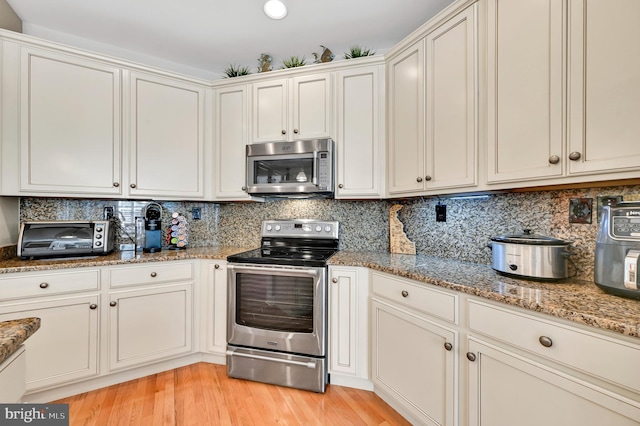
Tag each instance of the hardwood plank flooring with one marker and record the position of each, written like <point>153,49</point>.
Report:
<point>202,394</point>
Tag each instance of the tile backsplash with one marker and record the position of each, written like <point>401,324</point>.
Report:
<point>364,225</point>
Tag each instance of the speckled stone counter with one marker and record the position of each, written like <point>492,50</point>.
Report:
<point>118,258</point>
<point>13,333</point>
<point>578,301</point>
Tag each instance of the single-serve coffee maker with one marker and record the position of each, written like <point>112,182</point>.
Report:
<point>151,238</point>
<point>618,250</point>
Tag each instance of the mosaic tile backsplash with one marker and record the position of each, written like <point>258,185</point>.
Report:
<point>365,224</point>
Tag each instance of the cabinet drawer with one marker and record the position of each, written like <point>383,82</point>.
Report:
<point>150,274</point>
<point>605,357</point>
<point>15,286</point>
<point>416,296</point>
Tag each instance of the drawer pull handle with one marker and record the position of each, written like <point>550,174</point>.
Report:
<point>153,275</point>
<point>44,285</point>
<point>471,356</point>
<point>93,306</point>
<point>113,303</point>
<point>545,341</point>
<point>405,293</point>
<point>217,266</point>
<point>133,186</point>
<point>334,280</point>
<point>448,346</point>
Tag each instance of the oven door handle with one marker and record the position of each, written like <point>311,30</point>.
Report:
<point>310,364</point>
<point>274,268</point>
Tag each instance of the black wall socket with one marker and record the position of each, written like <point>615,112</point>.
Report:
<point>441,213</point>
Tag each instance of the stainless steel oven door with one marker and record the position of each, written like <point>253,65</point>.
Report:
<point>279,308</point>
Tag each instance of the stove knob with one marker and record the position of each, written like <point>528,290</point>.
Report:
<point>327,228</point>
<point>269,228</point>
<point>318,228</point>
<point>277,227</point>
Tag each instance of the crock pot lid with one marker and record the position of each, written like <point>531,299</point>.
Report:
<point>528,238</point>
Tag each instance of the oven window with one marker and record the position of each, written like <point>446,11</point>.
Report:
<point>280,303</point>
<point>295,170</point>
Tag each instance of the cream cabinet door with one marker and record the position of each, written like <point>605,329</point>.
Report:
<point>411,364</point>
<point>405,103</point>
<point>270,111</point>
<point>451,103</point>
<point>166,121</point>
<point>65,348</point>
<point>603,86</point>
<point>311,107</point>
<point>506,389</point>
<point>348,324</point>
<point>231,130</point>
<point>359,138</point>
<point>149,324</point>
<point>525,134</point>
<point>215,311</point>
<point>69,124</point>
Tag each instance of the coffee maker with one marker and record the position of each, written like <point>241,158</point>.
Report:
<point>152,228</point>
<point>618,250</point>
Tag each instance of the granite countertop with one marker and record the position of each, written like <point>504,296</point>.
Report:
<point>13,333</point>
<point>578,301</point>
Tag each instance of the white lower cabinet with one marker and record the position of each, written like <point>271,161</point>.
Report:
<point>65,348</point>
<point>349,326</point>
<point>214,290</point>
<point>414,358</point>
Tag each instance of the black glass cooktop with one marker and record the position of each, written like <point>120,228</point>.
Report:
<point>286,255</point>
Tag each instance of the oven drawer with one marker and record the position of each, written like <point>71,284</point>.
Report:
<point>297,371</point>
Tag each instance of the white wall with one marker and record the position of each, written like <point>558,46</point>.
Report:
<point>9,223</point>
<point>8,18</point>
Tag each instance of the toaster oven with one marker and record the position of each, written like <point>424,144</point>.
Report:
<point>65,239</point>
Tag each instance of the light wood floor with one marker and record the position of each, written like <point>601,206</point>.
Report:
<point>202,394</point>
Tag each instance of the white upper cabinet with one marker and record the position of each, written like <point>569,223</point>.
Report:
<point>524,89</point>
<point>61,123</point>
<point>360,130</point>
<point>292,108</point>
<point>166,132</point>
<point>604,86</point>
<point>231,130</point>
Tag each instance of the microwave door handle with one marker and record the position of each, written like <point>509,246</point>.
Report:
<point>314,169</point>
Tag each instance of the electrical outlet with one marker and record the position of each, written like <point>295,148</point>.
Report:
<point>441,213</point>
<point>107,213</point>
<point>580,210</point>
<point>196,213</point>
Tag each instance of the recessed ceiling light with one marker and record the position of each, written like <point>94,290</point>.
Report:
<point>275,9</point>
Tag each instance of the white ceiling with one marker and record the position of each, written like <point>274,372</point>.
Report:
<point>203,37</point>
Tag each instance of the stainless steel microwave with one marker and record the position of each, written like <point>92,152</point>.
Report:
<point>296,169</point>
<point>65,238</point>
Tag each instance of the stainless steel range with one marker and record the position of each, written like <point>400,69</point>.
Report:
<point>277,305</point>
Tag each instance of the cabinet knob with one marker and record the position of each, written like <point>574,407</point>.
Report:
<point>284,132</point>
<point>93,306</point>
<point>295,131</point>
<point>545,341</point>
<point>112,303</point>
<point>471,356</point>
<point>574,156</point>
<point>334,280</point>
<point>427,178</point>
<point>217,266</point>
<point>554,159</point>
<point>244,188</point>
<point>419,179</point>
<point>44,285</point>
<point>153,275</point>
<point>405,293</point>
<point>340,185</point>
<point>133,185</point>
<point>116,184</point>
<point>448,346</point>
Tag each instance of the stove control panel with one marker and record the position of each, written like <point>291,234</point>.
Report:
<point>300,228</point>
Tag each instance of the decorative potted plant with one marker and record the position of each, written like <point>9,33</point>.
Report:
<point>235,71</point>
<point>293,62</point>
<point>358,52</point>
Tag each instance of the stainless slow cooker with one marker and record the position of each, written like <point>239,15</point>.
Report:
<point>530,255</point>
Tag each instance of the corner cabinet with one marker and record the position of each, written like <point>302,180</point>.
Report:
<point>349,326</point>
<point>293,108</point>
<point>166,137</point>
<point>415,353</point>
<point>360,132</point>
<point>433,110</point>
<point>61,123</point>
<point>230,142</point>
